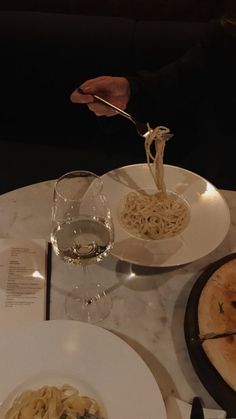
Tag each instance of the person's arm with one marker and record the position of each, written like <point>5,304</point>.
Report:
<point>169,92</point>
<point>162,96</point>
<point>157,96</point>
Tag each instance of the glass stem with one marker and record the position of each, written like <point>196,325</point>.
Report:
<point>87,278</point>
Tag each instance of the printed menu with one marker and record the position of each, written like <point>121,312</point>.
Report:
<point>24,282</point>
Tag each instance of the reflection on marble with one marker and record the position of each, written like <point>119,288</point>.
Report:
<point>148,303</point>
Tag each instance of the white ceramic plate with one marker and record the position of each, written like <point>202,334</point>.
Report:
<point>208,225</point>
<point>97,362</point>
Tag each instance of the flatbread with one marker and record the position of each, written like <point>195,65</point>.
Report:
<point>217,303</point>
<point>221,352</point>
<point>216,315</point>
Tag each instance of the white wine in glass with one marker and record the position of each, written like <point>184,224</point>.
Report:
<point>82,233</point>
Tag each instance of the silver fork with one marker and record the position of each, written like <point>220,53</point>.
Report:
<point>143,128</point>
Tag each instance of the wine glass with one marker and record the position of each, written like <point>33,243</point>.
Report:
<point>82,233</point>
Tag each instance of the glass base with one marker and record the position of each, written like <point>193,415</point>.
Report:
<point>88,304</point>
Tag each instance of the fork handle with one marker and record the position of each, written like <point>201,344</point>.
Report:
<point>109,105</point>
<point>115,108</point>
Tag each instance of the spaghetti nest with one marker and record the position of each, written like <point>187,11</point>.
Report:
<point>49,402</point>
<point>161,214</point>
<point>153,216</point>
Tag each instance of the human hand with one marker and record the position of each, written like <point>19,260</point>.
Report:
<point>113,89</point>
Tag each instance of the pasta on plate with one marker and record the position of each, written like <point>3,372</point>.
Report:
<point>154,215</point>
<point>49,402</point>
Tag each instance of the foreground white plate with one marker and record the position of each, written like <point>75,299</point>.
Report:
<point>208,225</point>
<point>95,360</point>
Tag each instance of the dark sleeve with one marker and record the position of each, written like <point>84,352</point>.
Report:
<point>159,97</point>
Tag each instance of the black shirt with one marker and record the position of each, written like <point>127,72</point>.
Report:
<point>208,70</point>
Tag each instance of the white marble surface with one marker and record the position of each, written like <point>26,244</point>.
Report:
<point>148,304</point>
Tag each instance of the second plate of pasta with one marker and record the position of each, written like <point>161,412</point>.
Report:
<point>206,225</point>
<point>87,364</point>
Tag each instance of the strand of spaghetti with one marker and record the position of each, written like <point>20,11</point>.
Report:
<point>155,163</point>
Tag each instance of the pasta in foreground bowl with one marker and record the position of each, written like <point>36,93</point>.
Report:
<point>49,402</point>
<point>154,216</point>
<point>161,214</point>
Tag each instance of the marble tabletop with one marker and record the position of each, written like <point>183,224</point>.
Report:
<point>148,303</point>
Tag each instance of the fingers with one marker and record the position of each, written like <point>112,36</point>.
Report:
<point>103,85</point>
<point>114,89</point>
<point>77,97</point>
<point>101,110</point>
<point>99,85</point>
<point>97,108</point>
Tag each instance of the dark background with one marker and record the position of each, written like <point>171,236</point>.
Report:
<point>49,47</point>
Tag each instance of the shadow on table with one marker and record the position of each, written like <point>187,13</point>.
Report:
<point>140,278</point>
